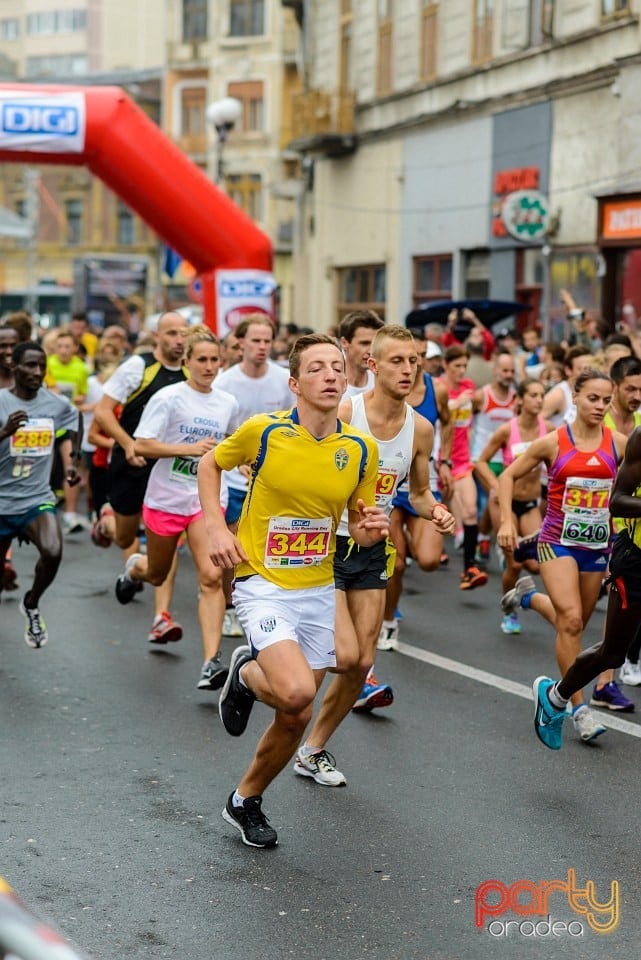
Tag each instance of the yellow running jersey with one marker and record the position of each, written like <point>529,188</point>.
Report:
<point>298,489</point>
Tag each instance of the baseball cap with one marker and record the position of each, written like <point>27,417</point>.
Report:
<point>432,350</point>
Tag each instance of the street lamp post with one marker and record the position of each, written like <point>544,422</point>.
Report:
<point>223,116</point>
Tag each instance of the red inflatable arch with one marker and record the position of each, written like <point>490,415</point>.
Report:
<point>103,129</point>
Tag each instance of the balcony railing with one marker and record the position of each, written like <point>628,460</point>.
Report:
<point>316,113</point>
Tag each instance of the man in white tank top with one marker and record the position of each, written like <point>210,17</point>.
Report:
<point>405,446</point>
<point>355,333</point>
<point>558,406</point>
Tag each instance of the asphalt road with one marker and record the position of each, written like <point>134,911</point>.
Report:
<point>114,771</point>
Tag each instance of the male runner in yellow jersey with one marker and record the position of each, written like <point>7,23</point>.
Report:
<point>306,467</point>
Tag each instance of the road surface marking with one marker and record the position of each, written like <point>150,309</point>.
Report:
<point>500,683</point>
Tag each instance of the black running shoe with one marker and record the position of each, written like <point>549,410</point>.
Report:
<point>236,701</point>
<point>213,674</point>
<point>126,587</point>
<point>251,821</point>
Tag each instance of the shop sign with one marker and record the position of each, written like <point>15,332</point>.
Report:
<point>525,215</point>
<point>622,220</point>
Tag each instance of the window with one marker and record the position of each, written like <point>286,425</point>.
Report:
<point>192,111</point>
<point>432,278</point>
<point>195,19</point>
<point>246,190</point>
<point>363,288</point>
<point>73,216</point>
<point>246,18</point>
<point>125,226</point>
<point>346,25</point>
<point>610,8</point>
<point>56,21</point>
<point>428,39</point>
<point>251,95</point>
<point>516,25</point>
<point>482,31</point>
<point>9,29</point>
<point>66,65</point>
<point>384,71</point>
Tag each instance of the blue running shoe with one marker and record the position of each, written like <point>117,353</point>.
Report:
<point>373,694</point>
<point>612,698</point>
<point>548,721</point>
<point>510,623</point>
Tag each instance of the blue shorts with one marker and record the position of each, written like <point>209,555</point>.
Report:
<point>235,504</point>
<point>402,500</point>
<point>14,525</point>
<point>588,561</point>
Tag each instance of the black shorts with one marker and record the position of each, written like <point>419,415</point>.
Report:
<point>127,484</point>
<point>625,570</point>
<point>521,507</point>
<point>361,568</point>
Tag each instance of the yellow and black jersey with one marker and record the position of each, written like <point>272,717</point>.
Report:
<point>298,489</point>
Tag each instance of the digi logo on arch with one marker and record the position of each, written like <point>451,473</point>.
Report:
<point>34,118</point>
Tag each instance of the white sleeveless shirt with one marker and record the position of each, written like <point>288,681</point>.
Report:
<point>394,458</point>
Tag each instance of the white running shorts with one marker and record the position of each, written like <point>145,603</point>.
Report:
<point>269,614</point>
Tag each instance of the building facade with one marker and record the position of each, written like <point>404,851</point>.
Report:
<point>248,51</point>
<point>469,149</point>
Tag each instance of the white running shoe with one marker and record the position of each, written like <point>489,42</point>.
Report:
<point>388,637</point>
<point>630,674</point>
<point>231,624</point>
<point>511,600</point>
<point>586,726</point>
<point>321,767</point>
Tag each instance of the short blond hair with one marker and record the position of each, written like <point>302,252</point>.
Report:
<point>391,331</point>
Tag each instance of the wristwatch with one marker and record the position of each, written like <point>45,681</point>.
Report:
<point>446,463</point>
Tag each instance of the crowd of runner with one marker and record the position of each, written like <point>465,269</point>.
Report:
<point>304,486</point>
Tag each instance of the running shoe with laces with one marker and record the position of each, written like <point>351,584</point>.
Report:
<point>373,695</point>
<point>548,720</point>
<point>585,725</point>
<point>35,635</point>
<point>511,600</point>
<point>213,674</point>
<point>236,700</point>
<point>630,674</point>
<point>526,547</point>
<point>164,629</point>
<point>388,636</point>
<point>510,623</point>
<point>321,767</point>
<point>610,697</point>
<point>231,624</point>
<point>251,821</point>
<point>126,587</point>
<point>472,578</point>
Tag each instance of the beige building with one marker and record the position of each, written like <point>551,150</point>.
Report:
<point>66,39</point>
<point>455,105</point>
<point>250,52</point>
<point>84,42</point>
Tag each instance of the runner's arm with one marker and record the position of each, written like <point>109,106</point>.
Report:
<point>224,548</point>
<point>540,451</point>
<point>623,502</point>
<point>421,497</point>
<point>496,442</point>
